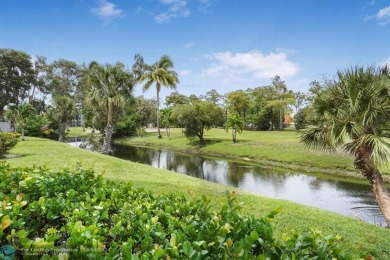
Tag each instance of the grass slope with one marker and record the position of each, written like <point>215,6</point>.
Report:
<point>358,237</point>
<point>276,148</point>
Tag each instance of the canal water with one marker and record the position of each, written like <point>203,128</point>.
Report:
<point>351,199</point>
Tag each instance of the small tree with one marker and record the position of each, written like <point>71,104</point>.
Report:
<point>198,117</point>
<point>62,111</point>
<point>167,120</point>
<point>18,116</point>
<point>236,124</point>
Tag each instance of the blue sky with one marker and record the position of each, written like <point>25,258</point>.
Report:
<point>215,44</point>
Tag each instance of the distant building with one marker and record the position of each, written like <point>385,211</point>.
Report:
<point>5,127</point>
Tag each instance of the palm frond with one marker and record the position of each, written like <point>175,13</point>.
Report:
<point>318,138</point>
<point>379,146</point>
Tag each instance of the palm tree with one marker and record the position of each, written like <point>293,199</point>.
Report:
<point>111,87</point>
<point>354,111</point>
<point>62,111</point>
<point>236,124</point>
<point>18,116</point>
<point>167,119</point>
<point>162,74</point>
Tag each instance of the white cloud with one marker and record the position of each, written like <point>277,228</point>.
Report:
<point>107,10</point>
<point>237,66</point>
<point>383,16</point>
<point>175,9</point>
<point>164,17</point>
<point>383,13</point>
<point>184,72</point>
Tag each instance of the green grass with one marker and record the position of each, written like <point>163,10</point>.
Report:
<point>80,132</point>
<point>274,148</point>
<point>358,237</point>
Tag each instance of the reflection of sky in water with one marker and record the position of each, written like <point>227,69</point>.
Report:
<point>350,199</point>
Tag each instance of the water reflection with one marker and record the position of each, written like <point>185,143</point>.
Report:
<point>351,199</point>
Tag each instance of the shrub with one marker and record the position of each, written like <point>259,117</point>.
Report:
<point>34,124</point>
<point>74,213</point>
<point>8,141</point>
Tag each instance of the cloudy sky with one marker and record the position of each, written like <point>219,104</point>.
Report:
<point>221,44</point>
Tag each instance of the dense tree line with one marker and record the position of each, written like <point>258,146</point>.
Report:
<point>350,111</point>
<point>101,94</point>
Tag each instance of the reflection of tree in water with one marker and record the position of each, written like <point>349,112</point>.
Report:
<point>236,173</point>
<point>277,179</point>
<point>189,165</point>
<point>361,192</point>
<point>134,154</point>
<point>91,143</point>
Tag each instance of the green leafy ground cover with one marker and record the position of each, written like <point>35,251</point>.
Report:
<point>357,237</point>
<point>275,148</point>
<point>75,214</point>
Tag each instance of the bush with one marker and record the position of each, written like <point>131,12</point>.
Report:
<point>34,124</point>
<point>74,213</point>
<point>8,141</point>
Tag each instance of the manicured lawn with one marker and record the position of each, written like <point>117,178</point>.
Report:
<point>80,132</point>
<point>358,237</point>
<point>277,148</point>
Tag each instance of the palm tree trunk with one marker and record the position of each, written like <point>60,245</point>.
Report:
<point>378,186</point>
<point>62,130</point>
<point>158,113</point>
<point>106,148</point>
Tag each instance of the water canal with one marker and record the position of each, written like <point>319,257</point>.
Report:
<point>352,199</point>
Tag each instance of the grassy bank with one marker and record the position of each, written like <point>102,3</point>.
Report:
<point>358,237</point>
<point>273,148</point>
<point>81,132</point>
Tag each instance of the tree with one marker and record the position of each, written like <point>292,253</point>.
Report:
<point>282,100</point>
<point>162,74</point>
<point>353,110</point>
<point>238,102</point>
<point>16,77</point>
<point>197,117</point>
<point>236,124</point>
<point>111,87</point>
<point>176,99</point>
<point>63,78</point>
<point>260,113</point>
<point>300,100</point>
<point>213,96</point>
<point>40,79</point>
<point>18,116</point>
<point>61,112</point>
<point>167,120</point>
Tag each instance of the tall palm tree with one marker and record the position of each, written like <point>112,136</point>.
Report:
<point>62,111</point>
<point>18,116</point>
<point>353,111</point>
<point>236,124</point>
<point>111,87</point>
<point>162,74</point>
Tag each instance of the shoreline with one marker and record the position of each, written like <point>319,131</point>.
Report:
<point>330,173</point>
